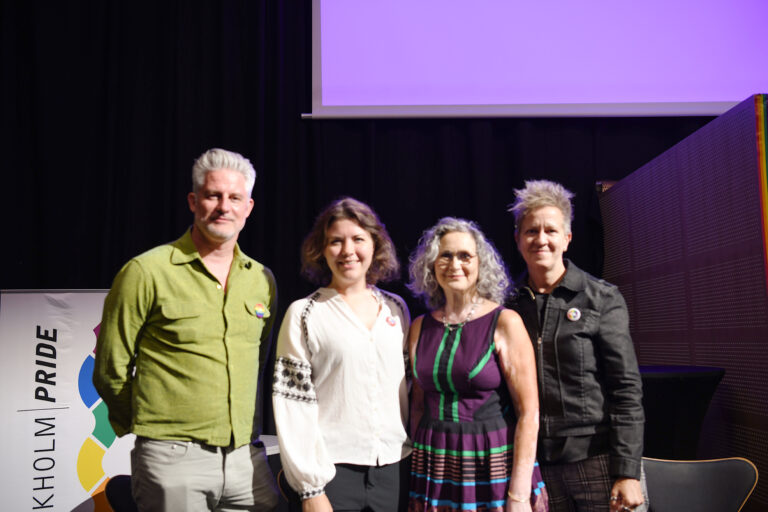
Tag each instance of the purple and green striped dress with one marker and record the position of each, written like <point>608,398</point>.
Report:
<point>463,447</point>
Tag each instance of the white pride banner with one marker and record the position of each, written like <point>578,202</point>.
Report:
<point>58,448</point>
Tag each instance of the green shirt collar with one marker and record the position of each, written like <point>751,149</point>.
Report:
<point>185,251</point>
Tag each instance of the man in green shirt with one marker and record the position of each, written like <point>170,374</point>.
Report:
<point>184,335</point>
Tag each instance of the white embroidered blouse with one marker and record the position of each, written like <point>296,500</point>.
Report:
<point>339,392</point>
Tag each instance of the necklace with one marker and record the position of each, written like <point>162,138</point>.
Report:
<point>451,327</point>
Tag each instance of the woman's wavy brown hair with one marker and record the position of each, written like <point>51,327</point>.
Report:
<point>384,265</point>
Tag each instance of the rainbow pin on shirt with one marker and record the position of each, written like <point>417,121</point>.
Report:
<point>260,310</point>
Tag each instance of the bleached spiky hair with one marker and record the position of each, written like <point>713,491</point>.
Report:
<point>540,193</point>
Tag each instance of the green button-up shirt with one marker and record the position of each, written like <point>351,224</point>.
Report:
<point>177,356</point>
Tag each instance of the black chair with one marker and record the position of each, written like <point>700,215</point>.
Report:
<point>720,485</point>
<point>119,496</point>
<point>290,500</point>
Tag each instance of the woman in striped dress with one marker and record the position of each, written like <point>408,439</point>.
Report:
<point>474,407</point>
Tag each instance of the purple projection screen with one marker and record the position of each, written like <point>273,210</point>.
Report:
<point>405,58</point>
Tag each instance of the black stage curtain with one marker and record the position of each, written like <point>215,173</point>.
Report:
<point>105,105</point>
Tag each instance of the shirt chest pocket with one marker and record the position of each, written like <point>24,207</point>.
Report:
<point>576,330</point>
<point>181,321</point>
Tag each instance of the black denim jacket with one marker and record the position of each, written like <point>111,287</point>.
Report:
<point>589,382</point>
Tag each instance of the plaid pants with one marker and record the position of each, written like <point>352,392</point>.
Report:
<point>583,486</point>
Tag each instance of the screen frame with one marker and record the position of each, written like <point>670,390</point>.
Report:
<point>637,109</point>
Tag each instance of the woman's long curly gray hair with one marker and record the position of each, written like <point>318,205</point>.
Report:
<point>492,278</point>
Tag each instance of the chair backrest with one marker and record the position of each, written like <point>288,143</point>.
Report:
<point>720,485</point>
<point>118,491</point>
<point>292,502</point>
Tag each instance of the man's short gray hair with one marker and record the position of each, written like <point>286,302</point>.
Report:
<point>217,158</point>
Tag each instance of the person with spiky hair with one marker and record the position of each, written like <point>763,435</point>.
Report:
<point>591,427</point>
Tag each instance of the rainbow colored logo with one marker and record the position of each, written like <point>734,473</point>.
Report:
<point>90,471</point>
<point>761,114</point>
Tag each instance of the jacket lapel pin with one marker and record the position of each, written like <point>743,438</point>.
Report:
<point>573,314</point>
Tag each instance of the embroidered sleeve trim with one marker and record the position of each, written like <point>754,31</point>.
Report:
<point>394,298</point>
<point>293,380</point>
<point>311,494</point>
<point>304,316</point>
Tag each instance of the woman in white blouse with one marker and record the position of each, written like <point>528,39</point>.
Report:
<point>340,394</point>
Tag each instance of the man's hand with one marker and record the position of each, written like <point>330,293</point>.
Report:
<point>626,495</point>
